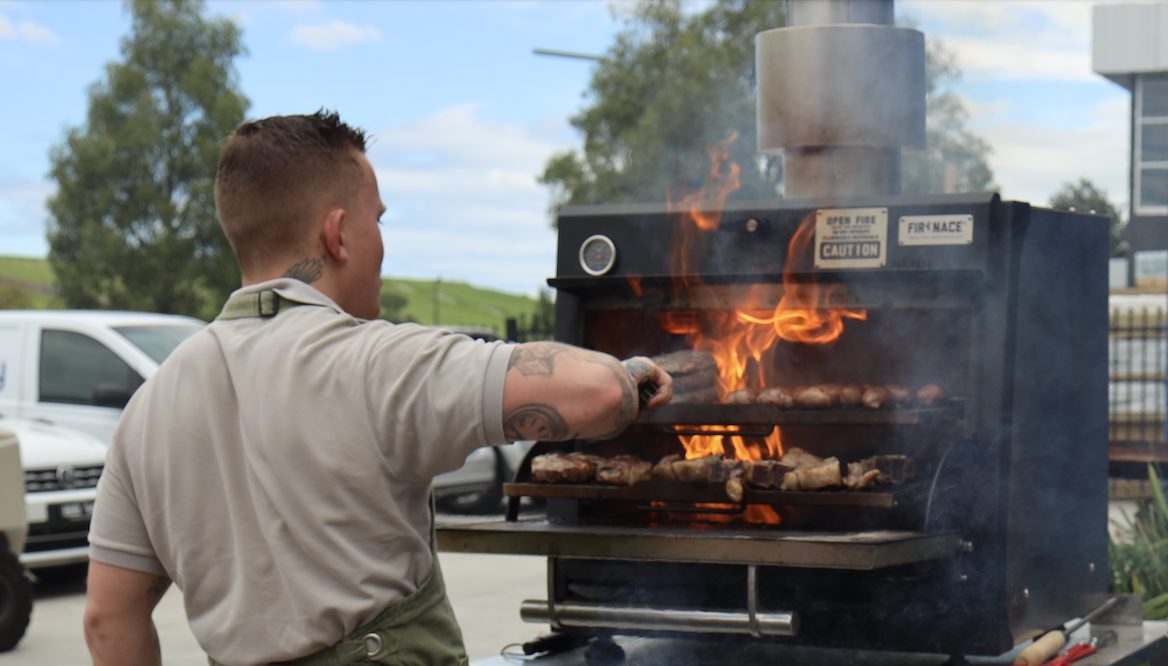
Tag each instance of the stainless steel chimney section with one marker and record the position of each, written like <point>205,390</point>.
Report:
<point>841,92</point>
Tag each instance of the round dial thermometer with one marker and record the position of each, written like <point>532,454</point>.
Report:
<point>597,255</point>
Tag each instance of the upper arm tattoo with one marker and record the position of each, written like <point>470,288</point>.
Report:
<point>534,360</point>
<point>306,270</point>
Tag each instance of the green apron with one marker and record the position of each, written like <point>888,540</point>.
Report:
<point>421,629</point>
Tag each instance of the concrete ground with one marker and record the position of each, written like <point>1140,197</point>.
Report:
<point>485,590</point>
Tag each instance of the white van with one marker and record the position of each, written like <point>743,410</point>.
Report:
<point>61,467</point>
<point>79,368</point>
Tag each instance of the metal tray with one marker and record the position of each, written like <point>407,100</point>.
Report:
<point>864,550</point>
<point>675,491</point>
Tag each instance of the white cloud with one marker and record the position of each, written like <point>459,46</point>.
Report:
<point>27,31</point>
<point>333,35</point>
<point>1012,40</point>
<point>1032,161</point>
<point>463,199</point>
<point>1005,59</point>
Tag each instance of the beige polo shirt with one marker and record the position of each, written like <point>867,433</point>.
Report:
<point>278,470</point>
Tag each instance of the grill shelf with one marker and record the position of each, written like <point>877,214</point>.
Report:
<point>767,415</point>
<point>865,550</point>
<point>673,491</point>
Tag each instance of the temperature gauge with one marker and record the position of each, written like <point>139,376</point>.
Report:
<point>597,255</point>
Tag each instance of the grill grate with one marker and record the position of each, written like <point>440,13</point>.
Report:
<point>61,478</point>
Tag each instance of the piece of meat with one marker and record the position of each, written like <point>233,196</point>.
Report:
<point>739,397</point>
<point>929,395</point>
<point>704,396</point>
<point>850,395</point>
<point>860,476</point>
<point>899,393</point>
<point>882,469</point>
<point>894,468</point>
<point>698,381</point>
<point>811,397</point>
<point>685,362</point>
<point>832,390</point>
<point>623,470</point>
<point>735,489</point>
<point>564,467</point>
<point>797,458</point>
<point>674,468</point>
<point>824,475</point>
<point>874,397</point>
<point>765,473</point>
<point>776,395</point>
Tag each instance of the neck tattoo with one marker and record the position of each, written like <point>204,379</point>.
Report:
<point>306,270</point>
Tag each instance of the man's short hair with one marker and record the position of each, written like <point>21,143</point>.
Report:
<point>276,175</point>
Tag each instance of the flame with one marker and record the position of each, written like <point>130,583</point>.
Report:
<point>738,447</point>
<point>635,285</point>
<point>807,312</point>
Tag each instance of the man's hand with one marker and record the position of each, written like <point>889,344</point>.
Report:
<point>645,372</point>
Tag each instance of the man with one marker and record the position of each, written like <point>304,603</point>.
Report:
<point>277,466</point>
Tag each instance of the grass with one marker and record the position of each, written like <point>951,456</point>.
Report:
<point>1139,564</point>
<point>29,283</point>
<point>457,303</point>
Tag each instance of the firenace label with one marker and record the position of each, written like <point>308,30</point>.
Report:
<point>936,230</point>
<point>851,238</point>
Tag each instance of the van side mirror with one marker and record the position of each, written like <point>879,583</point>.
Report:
<point>112,395</point>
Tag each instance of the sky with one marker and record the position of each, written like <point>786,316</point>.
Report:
<point>464,114</point>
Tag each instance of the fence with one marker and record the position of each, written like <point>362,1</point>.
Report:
<point>1137,396</point>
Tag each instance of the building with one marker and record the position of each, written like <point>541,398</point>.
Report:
<point>1130,47</point>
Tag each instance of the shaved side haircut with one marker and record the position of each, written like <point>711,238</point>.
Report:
<point>277,175</point>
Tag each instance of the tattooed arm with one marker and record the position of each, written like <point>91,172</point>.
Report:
<point>556,392</point>
<point>118,607</point>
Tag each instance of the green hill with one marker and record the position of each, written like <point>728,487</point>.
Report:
<point>27,282</point>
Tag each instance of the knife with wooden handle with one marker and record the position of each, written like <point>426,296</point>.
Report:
<point>1048,645</point>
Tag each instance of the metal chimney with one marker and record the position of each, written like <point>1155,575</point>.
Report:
<point>841,91</point>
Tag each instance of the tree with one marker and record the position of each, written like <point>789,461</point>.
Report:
<point>132,224</point>
<point>954,159</point>
<point>674,84</point>
<point>393,306</point>
<point>1085,197</point>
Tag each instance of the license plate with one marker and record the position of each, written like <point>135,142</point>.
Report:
<point>77,510</point>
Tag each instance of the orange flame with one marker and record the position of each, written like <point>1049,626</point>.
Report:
<point>807,312</point>
<point>720,442</point>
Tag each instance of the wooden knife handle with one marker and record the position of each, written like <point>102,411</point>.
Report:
<point>1042,649</point>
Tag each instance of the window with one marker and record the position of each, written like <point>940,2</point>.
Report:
<point>157,341</point>
<point>1151,150</point>
<point>72,366</point>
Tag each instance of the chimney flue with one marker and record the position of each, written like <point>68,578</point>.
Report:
<point>840,91</point>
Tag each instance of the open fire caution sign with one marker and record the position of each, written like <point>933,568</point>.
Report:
<point>851,238</point>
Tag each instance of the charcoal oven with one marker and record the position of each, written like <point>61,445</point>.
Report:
<point>994,533</point>
<point>999,534</point>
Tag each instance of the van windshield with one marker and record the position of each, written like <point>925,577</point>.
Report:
<point>158,341</point>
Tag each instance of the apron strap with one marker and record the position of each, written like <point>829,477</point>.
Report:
<point>264,304</point>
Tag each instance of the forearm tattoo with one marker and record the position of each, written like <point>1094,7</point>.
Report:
<point>626,374</point>
<point>532,360</point>
<point>535,421</point>
<point>306,270</point>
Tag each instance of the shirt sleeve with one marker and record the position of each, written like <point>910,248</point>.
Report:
<point>435,397</point>
<point>117,534</point>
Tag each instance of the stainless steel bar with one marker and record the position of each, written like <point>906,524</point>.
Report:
<point>585,616</point>
<point>752,600</point>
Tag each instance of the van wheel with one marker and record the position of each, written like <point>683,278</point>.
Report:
<point>15,599</point>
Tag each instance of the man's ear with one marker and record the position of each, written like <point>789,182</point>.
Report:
<point>332,238</point>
